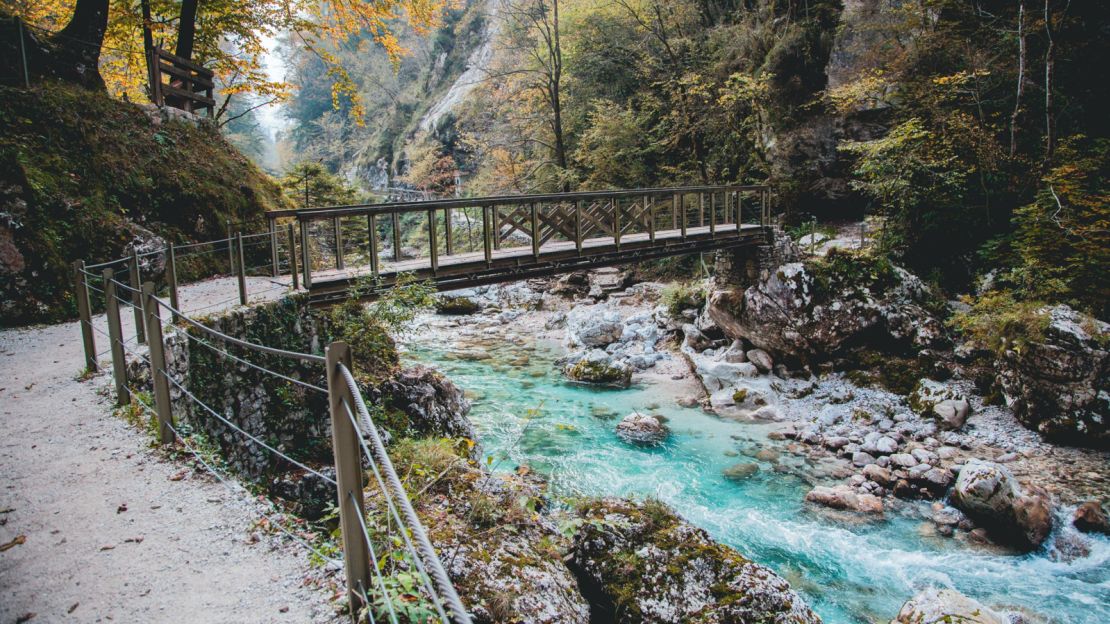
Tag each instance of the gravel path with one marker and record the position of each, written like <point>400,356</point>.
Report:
<point>113,530</point>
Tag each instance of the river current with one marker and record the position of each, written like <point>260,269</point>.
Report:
<point>849,571</point>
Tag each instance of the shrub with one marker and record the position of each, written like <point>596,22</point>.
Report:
<point>998,321</point>
<point>683,296</point>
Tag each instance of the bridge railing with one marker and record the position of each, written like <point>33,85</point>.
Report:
<point>398,236</point>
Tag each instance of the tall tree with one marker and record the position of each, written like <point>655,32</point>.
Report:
<point>187,29</point>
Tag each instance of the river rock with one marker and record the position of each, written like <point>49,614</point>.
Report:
<point>455,304</point>
<point>642,429</point>
<point>951,413</point>
<point>433,404</point>
<point>988,493</point>
<point>595,366</point>
<point>761,359</point>
<point>741,471</point>
<point>946,606</point>
<point>845,498</point>
<point>662,570</point>
<point>694,338</point>
<point>792,313</point>
<point>1059,384</point>
<point>593,326</point>
<point>878,474</point>
<point>735,353</point>
<point>1090,518</point>
<point>716,375</point>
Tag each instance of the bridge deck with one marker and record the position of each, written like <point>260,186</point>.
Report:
<point>467,269</point>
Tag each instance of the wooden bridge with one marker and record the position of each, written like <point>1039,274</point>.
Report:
<point>459,243</point>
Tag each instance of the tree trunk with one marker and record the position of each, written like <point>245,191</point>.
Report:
<point>556,100</point>
<point>187,28</point>
<point>148,47</point>
<point>1020,78</point>
<point>76,55</point>
<point>1049,99</point>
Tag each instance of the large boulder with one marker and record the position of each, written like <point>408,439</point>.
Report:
<point>595,366</point>
<point>946,606</point>
<point>1090,518</point>
<point>649,566</point>
<point>941,402</point>
<point>593,326</point>
<point>642,429</point>
<point>988,493</point>
<point>433,404</point>
<point>809,311</point>
<point>1058,384</point>
<point>844,498</point>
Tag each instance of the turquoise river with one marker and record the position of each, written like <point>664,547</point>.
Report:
<point>526,413</point>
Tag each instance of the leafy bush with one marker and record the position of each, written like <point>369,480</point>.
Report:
<point>999,321</point>
<point>683,296</point>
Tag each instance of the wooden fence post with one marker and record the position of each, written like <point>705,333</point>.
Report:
<point>578,226</point>
<point>241,270</point>
<point>535,231</point>
<point>712,214</point>
<point>396,218</point>
<point>230,250</point>
<point>348,474</point>
<point>433,245</point>
<point>84,312</point>
<point>306,257</point>
<point>614,205</point>
<point>158,373</point>
<point>115,334</point>
<point>680,205</point>
<point>738,199</point>
<point>496,230</point>
<point>274,270</point>
<point>293,255</point>
<point>171,280</point>
<point>447,231</point>
<point>337,232</point>
<point>137,297</point>
<point>372,231</point>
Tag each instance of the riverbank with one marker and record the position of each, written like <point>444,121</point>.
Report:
<point>849,566</point>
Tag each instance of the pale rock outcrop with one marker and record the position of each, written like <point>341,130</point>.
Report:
<point>843,497</point>
<point>593,326</point>
<point>946,606</point>
<point>642,430</point>
<point>663,570</point>
<point>988,493</point>
<point>1059,385</point>
<point>796,315</point>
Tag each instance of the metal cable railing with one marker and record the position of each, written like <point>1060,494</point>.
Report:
<point>397,545</point>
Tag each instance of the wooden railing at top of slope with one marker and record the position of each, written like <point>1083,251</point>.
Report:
<point>537,218</point>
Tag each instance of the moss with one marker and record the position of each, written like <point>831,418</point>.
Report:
<point>896,373</point>
<point>81,174</point>
<point>683,296</point>
<point>851,271</point>
<point>599,373</point>
<point>455,305</point>
<point>740,395</point>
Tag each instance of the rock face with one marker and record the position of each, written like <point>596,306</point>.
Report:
<point>642,429</point>
<point>434,405</point>
<point>456,304</point>
<point>647,565</point>
<point>593,326</point>
<point>1059,385</point>
<point>989,493</point>
<point>808,311</point>
<point>946,606</point>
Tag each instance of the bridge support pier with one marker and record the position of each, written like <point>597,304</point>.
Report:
<point>744,266</point>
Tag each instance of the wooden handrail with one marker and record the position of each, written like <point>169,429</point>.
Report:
<point>312,214</point>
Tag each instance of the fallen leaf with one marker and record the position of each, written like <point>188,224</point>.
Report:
<point>109,547</point>
<point>26,617</point>
<point>19,539</point>
<point>122,508</point>
<point>134,540</point>
<point>73,607</point>
<point>177,476</point>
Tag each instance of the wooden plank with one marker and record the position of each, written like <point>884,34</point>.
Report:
<point>188,95</point>
<point>487,234</point>
<point>535,231</point>
<point>184,62</point>
<point>433,245</point>
<point>189,75</point>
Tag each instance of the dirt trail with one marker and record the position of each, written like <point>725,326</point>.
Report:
<point>110,535</point>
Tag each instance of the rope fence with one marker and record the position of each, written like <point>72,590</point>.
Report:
<point>373,551</point>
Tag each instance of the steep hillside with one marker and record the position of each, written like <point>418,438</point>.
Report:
<point>83,176</point>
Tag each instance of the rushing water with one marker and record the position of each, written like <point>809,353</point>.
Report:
<point>526,413</point>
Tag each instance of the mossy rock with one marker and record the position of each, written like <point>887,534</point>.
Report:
<point>740,472</point>
<point>456,305</point>
<point>601,373</point>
